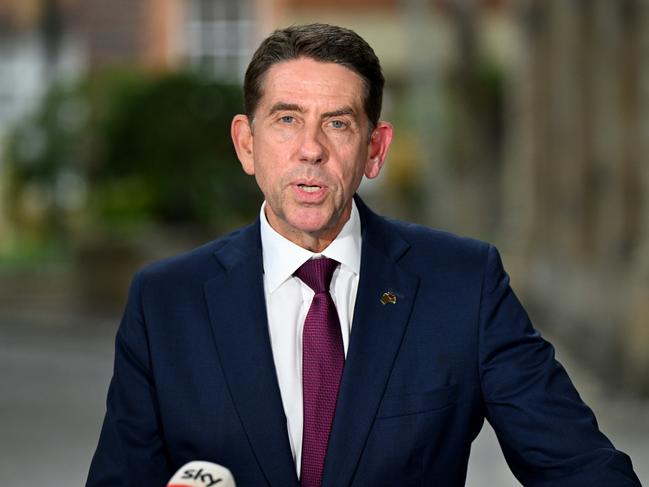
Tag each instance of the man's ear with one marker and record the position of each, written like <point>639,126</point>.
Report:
<point>378,149</point>
<point>241,133</point>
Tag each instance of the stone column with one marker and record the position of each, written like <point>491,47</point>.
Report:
<point>564,192</point>
<point>525,115</point>
<point>637,335</point>
<point>607,181</point>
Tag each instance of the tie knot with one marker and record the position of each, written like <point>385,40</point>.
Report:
<point>317,273</point>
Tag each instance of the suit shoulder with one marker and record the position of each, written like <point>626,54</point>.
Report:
<point>438,255</point>
<point>427,239</point>
<point>198,263</point>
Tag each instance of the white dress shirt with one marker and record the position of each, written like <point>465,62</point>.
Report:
<point>288,300</point>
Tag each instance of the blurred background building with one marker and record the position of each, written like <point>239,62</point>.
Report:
<point>521,122</point>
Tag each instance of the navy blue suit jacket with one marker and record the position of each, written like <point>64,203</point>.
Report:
<point>194,377</point>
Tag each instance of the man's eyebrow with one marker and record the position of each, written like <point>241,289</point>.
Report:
<point>283,106</point>
<point>340,112</point>
<point>294,107</point>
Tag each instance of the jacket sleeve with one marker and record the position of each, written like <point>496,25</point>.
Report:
<point>131,448</point>
<point>548,435</point>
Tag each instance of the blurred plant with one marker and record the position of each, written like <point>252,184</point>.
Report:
<point>124,148</point>
<point>45,163</point>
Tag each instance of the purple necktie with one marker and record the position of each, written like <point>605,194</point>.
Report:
<point>323,359</point>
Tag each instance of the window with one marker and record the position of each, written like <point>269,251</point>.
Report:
<point>218,36</point>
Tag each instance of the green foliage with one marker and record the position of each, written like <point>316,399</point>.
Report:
<point>146,148</point>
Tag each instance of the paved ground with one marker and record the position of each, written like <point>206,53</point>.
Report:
<point>54,369</point>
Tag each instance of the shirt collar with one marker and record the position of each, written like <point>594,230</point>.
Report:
<point>282,257</point>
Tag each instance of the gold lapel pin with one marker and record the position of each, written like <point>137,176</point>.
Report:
<point>388,297</point>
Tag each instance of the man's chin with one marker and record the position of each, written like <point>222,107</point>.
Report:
<point>313,229</point>
<point>316,226</point>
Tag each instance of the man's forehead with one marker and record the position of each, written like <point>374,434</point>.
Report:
<point>296,81</point>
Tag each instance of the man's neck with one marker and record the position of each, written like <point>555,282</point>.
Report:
<point>314,242</point>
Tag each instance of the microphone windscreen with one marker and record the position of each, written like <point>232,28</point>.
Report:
<point>202,474</point>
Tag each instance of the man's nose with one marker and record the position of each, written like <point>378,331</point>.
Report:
<point>312,146</point>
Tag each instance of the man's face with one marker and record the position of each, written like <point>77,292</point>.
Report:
<point>308,148</point>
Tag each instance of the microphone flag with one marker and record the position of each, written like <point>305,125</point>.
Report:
<point>202,474</point>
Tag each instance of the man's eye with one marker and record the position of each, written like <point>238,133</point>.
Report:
<point>287,119</point>
<point>338,124</point>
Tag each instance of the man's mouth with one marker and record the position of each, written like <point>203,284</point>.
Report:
<point>309,189</point>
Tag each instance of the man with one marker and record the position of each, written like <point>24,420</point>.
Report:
<point>323,344</point>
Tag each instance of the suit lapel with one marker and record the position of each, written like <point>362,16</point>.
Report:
<point>238,317</point>
<point>377,332</point>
